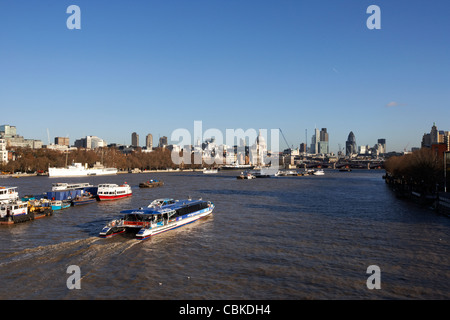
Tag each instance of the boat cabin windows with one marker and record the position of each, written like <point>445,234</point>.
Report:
<point>137,217</point>
<point>192,208</point>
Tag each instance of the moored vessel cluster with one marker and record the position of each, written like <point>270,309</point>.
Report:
<point>252,174</point>
<point>14,209</point>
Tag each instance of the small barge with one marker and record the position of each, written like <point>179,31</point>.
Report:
<point>151,183</point>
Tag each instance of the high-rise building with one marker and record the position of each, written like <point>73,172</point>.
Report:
<point>163,142</point>
<point>350,145</point>
<point>135,139</point>
<point>149,141</point>
<point>90,142</point>
<point>323,134</point>
<point>324,145</point>
<point>302,147</point>
<point>319,142</point>
<point>382,146</point>
<point>434,137</point>
<point>315,141</point>
<point>434,134</point>
<point>62,141</point>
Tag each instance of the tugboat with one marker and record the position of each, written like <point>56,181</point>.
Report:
<point>160,216</point>
<point>151,184</point>
<point>246,175</point>
<point>85,198</point>
<point>113,191</point>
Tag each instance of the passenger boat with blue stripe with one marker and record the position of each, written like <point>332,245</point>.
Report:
<point>160,216</point>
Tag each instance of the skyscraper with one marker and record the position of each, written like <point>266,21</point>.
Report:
<point>324,146</point>
<point>135,139</point>
<point>315,141</point>
<point>319,141</point>
<point>163,142</point>
<point>350,145</point>
<point>382,145</point>
<point>149,141</point>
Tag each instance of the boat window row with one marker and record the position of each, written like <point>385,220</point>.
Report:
<point>191,208</point>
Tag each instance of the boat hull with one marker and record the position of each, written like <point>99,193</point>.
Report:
<point>83,201</point>
<point>145,233</point>
<point>111,232</point>
<point>113,197</point>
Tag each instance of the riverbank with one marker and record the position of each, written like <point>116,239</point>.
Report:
<point>415,192</point>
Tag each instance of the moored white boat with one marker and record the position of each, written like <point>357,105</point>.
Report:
<point>78,170</point>
<point>61,186</point>
<point>319,172</point>
<point>160,216</point>
<point>109,191</point>
<point>210,171</point>
<point>8,194</point>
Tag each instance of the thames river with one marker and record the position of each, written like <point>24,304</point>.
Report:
<point>279,238</point>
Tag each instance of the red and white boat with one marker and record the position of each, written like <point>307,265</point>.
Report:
<point>109,191</point>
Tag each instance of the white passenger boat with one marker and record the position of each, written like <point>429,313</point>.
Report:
<point>113,191</point>
<point>210,171</point>
<point>284,173</point>
<point>8,194</point>
<point>62,186</point>
<point>80,170</point>
<point>160,216</point>
<point>13,212</point>
<point>319,172</point>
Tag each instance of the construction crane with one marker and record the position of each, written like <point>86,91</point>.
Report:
<point>284,138</point>
<point>404,149</point>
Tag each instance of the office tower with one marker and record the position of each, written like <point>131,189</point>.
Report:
<point>149,141</point>
<point>315,141</point>
<point>302,147</point>
<point>434,134</point>
<point>382,145</point>
<point>163,142</point>
<point>134,139</point>
<point>323,144</point>
<point>350,145</point>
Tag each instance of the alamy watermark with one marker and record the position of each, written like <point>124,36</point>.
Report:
<point>374,21</point>
<point>235,146</point>
<point>73,281</point>
<point>74,20</point>
<point>374,280</point>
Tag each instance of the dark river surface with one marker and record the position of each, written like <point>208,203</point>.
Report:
<point>279,238</point>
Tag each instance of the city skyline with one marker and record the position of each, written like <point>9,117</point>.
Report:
<point>153,67</point>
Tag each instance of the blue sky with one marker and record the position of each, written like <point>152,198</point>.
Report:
<point>155,66</point>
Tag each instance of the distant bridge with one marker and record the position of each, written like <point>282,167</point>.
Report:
<point>353,164</point>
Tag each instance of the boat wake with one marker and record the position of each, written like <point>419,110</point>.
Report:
<point>44,269</point>
<point>91,251</point>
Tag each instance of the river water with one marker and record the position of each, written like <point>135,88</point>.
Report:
<point>279,238</point>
